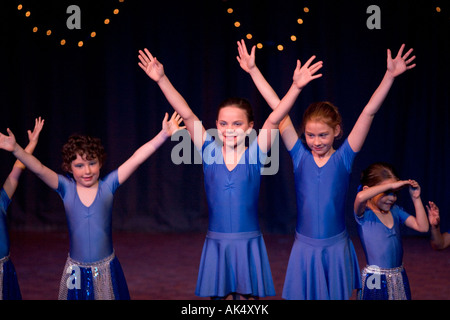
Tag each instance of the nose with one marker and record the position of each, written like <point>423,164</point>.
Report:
<point>88,169</point>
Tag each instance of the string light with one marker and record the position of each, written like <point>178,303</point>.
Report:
<point>279,46</point>
<point>49,32</point>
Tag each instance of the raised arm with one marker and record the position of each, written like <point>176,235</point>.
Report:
<point>438,240</point>
<point>302,76</point>
<point>395,67</point>
<point>12,180</point>
<point>169,127</point>
<point>420,221</point>
<point>155,70</point>
<point>368,193</point>
<point>47,175</point>
<point>247,63</point>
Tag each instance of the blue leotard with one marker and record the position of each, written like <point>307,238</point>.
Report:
<point>323,262</point>
<point>321,191</point>
<point>4,236</point>
<point>232,195</point>
<point>234,257</point>
<point>382,245</point>
<point>90,228</point>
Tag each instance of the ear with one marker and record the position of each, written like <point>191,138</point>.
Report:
<point>337,131</point>
<point>365,187</point>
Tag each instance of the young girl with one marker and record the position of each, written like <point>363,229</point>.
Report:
<point>323,263</point>
<point>378,218</point>
<point>9,286</point>
<point>234,260</point>
<point>92,270</point>
<point>438,240</point>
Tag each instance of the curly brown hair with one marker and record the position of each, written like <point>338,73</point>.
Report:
<point>86,146</point>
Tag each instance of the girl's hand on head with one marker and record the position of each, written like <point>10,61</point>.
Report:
<point>306,73</point>
<point>246,60</point>
<point>152,67</point>
<point>433,213</point>
<point>414,189</point>
<point>173,125</point>
<point>399,65</point>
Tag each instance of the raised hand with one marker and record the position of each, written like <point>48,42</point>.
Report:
<point>306,73</point>
<point>8,142</point>
<point>173,125</point>
<point>246,60</point>
<point>414,189</point>
<point>152,67</point>
<point>33,136</point>
<point>433,213</point>
<point>400,64</point>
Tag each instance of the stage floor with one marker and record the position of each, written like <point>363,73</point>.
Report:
<point>165,266</point>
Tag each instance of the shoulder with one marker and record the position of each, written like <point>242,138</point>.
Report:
<point>399,213</point>
<point>346,154</point>
<point>111,180</point>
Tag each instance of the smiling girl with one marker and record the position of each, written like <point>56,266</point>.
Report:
<point>323,262</point>
<point>92,270</point>
<point>234,260</point>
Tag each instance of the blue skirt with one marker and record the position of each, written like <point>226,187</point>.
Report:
<point>234,263</point>
<point>100,280</point>
<point>9,285</point>
<point>322,269</point>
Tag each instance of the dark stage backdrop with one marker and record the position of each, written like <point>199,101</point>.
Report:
<point>99,89</point>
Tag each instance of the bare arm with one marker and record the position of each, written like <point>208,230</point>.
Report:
<point>420,221</point>
<point>395,67</point>
<point>247,63</point>
<point>145,151</point>
<point>12,181</point>
<point>9,143</point>
<point>155,70</point>
<point>369,192</point>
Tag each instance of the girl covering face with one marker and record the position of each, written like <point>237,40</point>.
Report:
<point>379,220</point>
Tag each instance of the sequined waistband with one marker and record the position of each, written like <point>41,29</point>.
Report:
<point>4,259</point>
<point>106,260</point>
<point>387,271</point>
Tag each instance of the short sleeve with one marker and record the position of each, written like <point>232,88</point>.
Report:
<point>4,201</point>
<point>297,152</point>
<point>112,180</point>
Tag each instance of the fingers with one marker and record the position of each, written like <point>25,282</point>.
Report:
<point>400,52</point>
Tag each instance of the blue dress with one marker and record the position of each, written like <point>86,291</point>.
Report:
<point>323,262</point>
<point>91,248</point>
<point>384,255</point>
<point>234,257</point>
<point>9,285</point>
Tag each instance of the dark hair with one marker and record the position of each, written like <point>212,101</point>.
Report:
<point>240,103</point>
<point>85,146</point>
<point>323,111</point>
<point>376,173</point>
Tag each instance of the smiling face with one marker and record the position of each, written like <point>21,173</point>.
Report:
<point>383,202</point>
<point>233,125</point>
<point>320,137</point>
<point>85,172</point>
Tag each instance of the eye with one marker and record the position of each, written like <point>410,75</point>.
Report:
<point>222,124</point>
<point>92,163</point>
<point>323,135</point>
<point>238,124</point>
<point>79,165</point>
